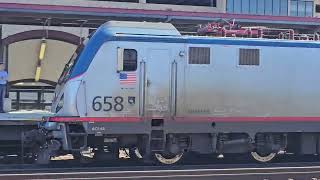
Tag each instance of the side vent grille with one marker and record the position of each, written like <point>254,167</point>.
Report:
<point>249,57</point>
<point>199,55</point>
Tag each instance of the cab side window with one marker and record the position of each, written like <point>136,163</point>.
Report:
<point>130,58</point>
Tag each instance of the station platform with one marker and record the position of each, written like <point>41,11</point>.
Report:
<point>14,124</point>
<point>23,116</point>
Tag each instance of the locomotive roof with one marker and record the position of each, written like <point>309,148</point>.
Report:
<point>167,33</point>
<point>142,28</point>
<point>113,32</point>
<point>219,41</point>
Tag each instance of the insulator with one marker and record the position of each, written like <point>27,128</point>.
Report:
<point>281,36</point>
<point>316,37</point>
<point>291,34</point>
<point>260,33</point>
<point>223,32</point>
<point>249,33</point>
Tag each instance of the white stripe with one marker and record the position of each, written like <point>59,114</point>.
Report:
<point>191,175</point>
<point>159,171</point>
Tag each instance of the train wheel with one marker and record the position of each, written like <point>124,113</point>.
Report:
<point>168,159</point>
<point>263,158</point>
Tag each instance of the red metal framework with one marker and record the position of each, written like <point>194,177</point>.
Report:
<point>225,28</point>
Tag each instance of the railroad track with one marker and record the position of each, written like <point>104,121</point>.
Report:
<point>292,169</point>
<point>188,172</point>
<point>272,171</point>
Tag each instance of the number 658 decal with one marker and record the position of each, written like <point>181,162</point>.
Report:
<point>107,103</point>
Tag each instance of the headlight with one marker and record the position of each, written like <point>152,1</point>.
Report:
<point>60,103</point>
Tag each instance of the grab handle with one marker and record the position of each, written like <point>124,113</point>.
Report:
<point>142,87</point>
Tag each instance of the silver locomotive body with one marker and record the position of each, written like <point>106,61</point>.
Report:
<point>136,81</point>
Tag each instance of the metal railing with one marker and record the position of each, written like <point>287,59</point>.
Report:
<point>228,28</point>
<point>31,97</point>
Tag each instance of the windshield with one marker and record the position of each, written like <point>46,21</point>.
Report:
<point>69,66</point>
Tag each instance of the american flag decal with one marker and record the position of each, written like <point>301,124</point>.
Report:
<point>128,78</point>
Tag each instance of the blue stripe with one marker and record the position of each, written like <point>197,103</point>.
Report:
<point>91,48</point>
<point>103,35</point>
<point>219,41</point>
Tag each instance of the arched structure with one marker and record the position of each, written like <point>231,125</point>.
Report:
<point>21,53</point>
<point>57,38</point>
<point>38,34</point>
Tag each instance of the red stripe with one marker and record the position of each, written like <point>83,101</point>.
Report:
<point>95,119</point>
<point>128,81</point>
<point>77,76</point>
<point>155,12</point>
<point>248,119</point>
<point>188,119</point>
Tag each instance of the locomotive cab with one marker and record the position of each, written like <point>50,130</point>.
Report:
<point>120,62</point>
<point>105,85</point>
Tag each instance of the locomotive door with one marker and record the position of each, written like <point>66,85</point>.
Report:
<point>157,83</point>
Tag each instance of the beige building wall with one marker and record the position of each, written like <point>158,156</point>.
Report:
<point>108,4</point>
<point>23,57</point>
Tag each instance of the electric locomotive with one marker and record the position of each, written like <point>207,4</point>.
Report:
<point>144,87</point>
